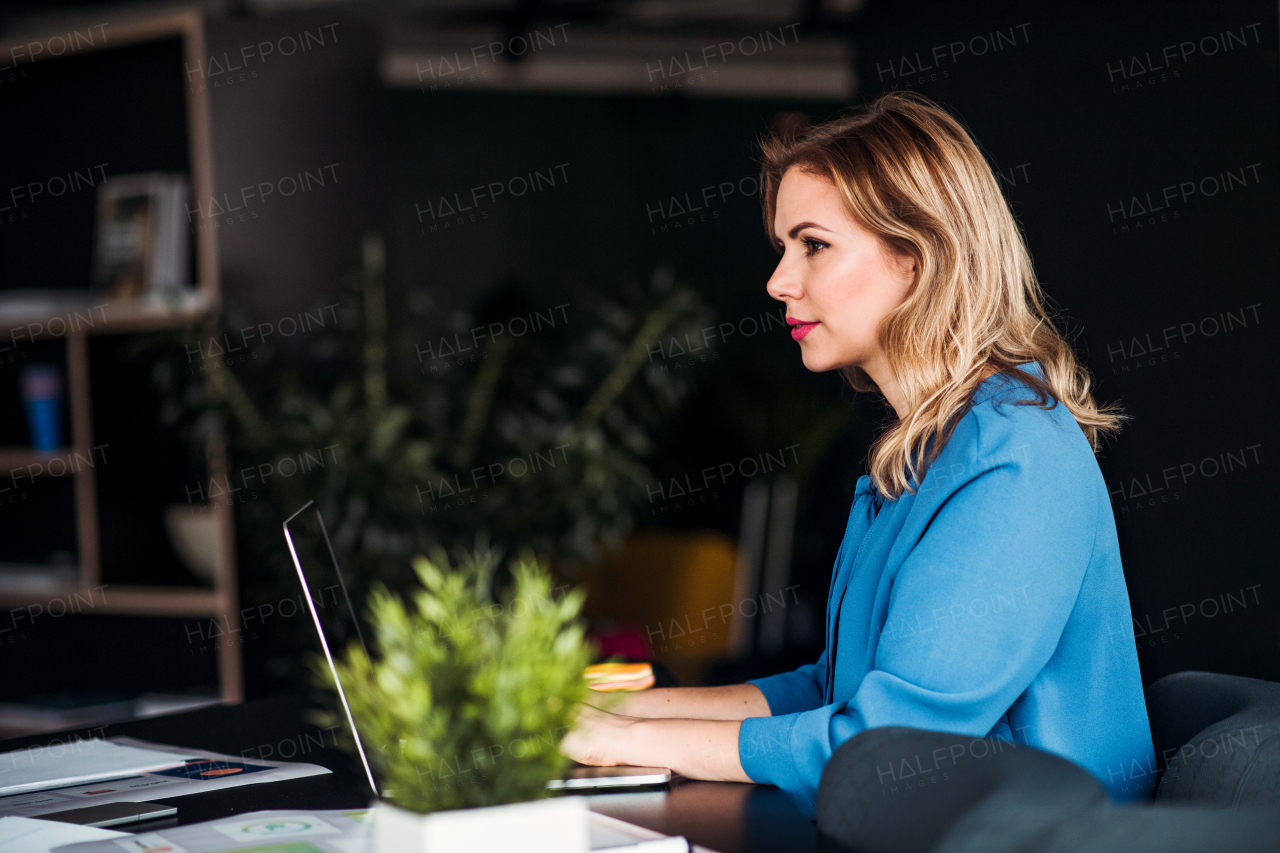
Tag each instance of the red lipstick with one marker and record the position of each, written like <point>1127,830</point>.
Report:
<point>800,328</point>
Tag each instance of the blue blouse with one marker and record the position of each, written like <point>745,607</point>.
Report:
<point>990,603</point>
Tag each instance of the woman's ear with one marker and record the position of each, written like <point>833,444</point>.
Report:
<point>906,268</point>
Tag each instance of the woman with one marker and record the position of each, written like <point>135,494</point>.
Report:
<point>978,588</point>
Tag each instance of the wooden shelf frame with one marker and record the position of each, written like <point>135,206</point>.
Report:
<point>124,599</point>
<point>220,601</point>
<point>188,25</point>
<point>104,316</point>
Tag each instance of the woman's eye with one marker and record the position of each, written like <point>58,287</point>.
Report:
<point>812,246</point>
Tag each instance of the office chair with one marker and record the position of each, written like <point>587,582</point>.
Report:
<point>1221,737</point>
<point>901,790</point>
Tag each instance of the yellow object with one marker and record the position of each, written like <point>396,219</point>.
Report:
<point>619,676</point>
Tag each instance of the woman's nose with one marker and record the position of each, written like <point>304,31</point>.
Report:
<point>783,284</point>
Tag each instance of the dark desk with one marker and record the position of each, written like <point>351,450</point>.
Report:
<point>720,815</point>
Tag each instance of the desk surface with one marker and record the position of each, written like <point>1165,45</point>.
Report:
<point>723,816</point>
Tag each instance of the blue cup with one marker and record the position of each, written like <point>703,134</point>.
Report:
<point>42,399</point>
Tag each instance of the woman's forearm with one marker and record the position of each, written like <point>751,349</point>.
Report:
<point>692,730</point>
<point>696,749</point>
<point>731,702</point>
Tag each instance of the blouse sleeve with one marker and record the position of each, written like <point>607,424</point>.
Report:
<point>801,690</point>
<point>1000,535</point>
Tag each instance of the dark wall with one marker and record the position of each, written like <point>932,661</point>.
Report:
<point>623,158</point>
<point>1171,299</point>
<point>289,97</point>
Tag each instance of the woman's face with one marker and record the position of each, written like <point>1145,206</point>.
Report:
<point>836,278</point>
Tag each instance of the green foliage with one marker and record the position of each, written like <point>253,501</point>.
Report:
<point>468,697</point>
<point>542,443</point>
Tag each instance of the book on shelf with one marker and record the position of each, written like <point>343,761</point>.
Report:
<point>142,236</point>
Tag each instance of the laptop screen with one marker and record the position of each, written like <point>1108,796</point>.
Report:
<point>328,601</point>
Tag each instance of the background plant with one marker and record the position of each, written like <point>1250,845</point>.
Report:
<point>398,428</point>
<point>467,695</point>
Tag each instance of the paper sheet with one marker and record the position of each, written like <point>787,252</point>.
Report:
<point>28,835</point>
<point>65,764</point>
<point>331,831</point>
<point>327,831</point>
<point>193,772</point>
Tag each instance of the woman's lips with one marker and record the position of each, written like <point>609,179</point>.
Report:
<point>800,328</point>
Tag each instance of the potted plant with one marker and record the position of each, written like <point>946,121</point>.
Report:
<point>462,701</point>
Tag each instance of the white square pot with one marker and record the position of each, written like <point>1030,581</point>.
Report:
<point>558,825</point>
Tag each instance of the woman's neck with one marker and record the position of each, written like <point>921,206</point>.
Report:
<point>881,374</point>
<point>887,382</point>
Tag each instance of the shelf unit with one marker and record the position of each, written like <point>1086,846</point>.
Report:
<point>196,308</point>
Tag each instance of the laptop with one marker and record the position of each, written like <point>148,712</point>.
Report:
<point>337,625</point>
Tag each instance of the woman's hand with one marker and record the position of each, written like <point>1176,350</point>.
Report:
<point>696,749</point>
<point>597,738</point>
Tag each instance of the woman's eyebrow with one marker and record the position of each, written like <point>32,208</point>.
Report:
<point>797,229</point>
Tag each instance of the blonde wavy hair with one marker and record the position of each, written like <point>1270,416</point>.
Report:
<point>911,175</point>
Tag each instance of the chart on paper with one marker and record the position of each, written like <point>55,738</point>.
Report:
<point>327,831</point>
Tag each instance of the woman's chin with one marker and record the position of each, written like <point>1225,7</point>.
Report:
<point>817,361</point>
